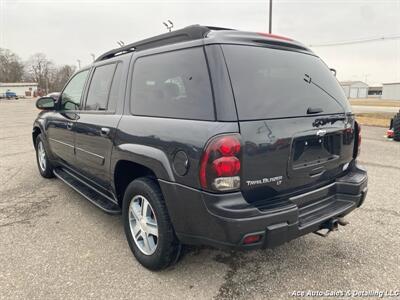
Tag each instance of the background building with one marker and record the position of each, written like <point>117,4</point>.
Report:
<point>355,89</point>
<point>391,91</point>
<point>22,89</point>
<point>375,92</point>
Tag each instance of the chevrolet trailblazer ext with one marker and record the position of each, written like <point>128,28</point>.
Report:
<point>209,136</point>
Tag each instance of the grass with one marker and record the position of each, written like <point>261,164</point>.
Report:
<point>374,119</point>
<point>375,102</point>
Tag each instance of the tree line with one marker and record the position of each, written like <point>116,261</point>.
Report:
<point>38,68</point>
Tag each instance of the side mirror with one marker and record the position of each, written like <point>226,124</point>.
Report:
<point>333,71</point>
<point>45,103</point>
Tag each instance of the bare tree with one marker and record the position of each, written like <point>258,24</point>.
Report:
<point>11,67</point>
<point>60,76</point>
<point>39,69</point>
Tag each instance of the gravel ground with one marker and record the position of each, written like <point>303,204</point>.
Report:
<point>374,109</point>
<point>55,244</point>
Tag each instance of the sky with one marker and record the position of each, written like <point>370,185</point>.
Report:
<point>68,30</point>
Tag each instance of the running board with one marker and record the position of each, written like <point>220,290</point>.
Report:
<point>96,197</point>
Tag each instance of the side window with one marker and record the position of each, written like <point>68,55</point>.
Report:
<point>71,96</point>
<point>99,88</point>
<point>115,89</point>
<point>174,84</point>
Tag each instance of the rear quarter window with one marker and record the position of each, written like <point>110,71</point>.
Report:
<point>99,89</point>
<point>174,85</point>
<point>272,83</point>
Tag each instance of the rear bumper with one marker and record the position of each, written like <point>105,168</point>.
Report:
<point>224,220</point>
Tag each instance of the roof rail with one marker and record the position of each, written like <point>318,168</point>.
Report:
<point>188,33</point>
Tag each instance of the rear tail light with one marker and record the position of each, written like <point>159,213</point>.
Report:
<point>220,164</point>
<point>357,143</point>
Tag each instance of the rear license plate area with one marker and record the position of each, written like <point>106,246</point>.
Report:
<point>315,150</point>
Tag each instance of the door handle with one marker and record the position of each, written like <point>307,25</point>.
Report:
<point>69,125</point>
<point>104,131</point>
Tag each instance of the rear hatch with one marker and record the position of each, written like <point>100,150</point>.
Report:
<point>295,121</point>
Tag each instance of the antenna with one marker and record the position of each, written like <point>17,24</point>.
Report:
<point>270,17</point>
<point>168,25</point>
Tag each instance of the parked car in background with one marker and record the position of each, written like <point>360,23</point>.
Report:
<point>206,136</point>
<point>9,95</point>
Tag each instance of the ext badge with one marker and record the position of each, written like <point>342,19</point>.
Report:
<point>277,180</point>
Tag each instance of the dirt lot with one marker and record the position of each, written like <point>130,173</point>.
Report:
<point>375,102</point>
<point>375,112</point>
<point>55,244</point>
<point>375,119</point>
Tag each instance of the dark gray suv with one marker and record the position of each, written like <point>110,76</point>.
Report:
<point>206,136</point>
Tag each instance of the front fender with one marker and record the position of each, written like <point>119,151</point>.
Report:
<point>38,124</point>
<point>150,157</point>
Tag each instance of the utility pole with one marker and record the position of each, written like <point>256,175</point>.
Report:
<point>270,16</point>
<point>79,63</point>
<point>366,77</point>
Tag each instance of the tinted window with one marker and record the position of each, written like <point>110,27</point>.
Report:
<point>71,96</point>
<point>115,89</point>
<point>99,89</point>
<point>174,84</point>
<point>270,83</point>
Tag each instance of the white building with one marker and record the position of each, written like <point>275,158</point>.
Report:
<point>355,89</point>
<point>375,92</point>
<point>22,89</point>
<point>391,91</point>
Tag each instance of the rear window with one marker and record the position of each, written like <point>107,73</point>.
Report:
<point>270,83</point>
<point>173,84</point>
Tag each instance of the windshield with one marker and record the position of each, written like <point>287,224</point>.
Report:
<point>271,83</point>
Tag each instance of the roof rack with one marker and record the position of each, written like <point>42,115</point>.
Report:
<point>188,33</point>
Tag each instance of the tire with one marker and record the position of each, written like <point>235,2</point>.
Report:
<point>396,127</point>
<point>162,250</point>
<point>44,165</point>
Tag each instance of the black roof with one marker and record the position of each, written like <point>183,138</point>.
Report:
<point>196,32</point>
<point>189,33</point>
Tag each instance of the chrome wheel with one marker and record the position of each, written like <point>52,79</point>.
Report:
<point>41,154</point>
<point>143,225</point>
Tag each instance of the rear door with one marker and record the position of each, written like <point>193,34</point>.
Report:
<point>294,120</point>
<point>61,124</point>
<point>97,123</point>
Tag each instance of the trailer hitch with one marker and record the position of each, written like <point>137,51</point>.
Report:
<point>331,225</point>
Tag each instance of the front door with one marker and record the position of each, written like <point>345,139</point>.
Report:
<point>61,126</point>
<point>97,123</point>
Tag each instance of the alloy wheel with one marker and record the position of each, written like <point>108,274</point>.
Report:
<point>143,225</point>
<point>41,156</point>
